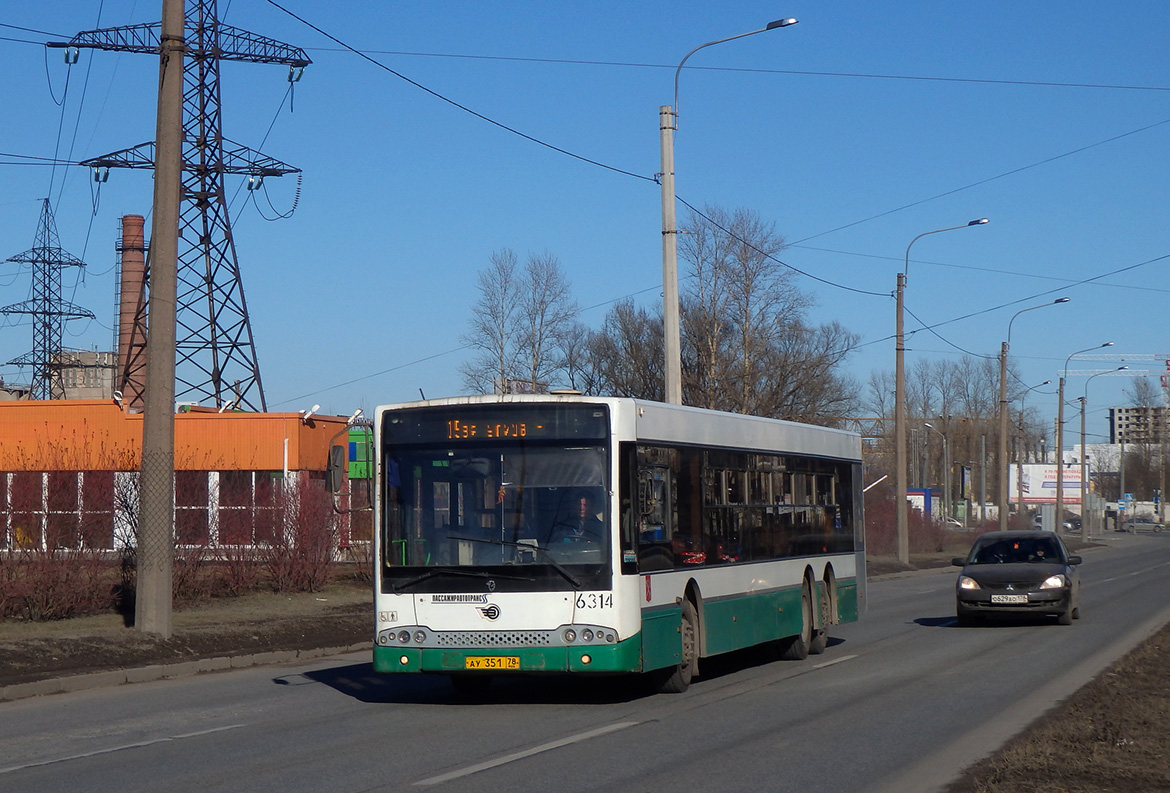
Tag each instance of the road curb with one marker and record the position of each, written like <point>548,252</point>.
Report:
<point>152,672</point>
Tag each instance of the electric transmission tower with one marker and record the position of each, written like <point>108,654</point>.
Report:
<point>47,309</point>
<point>215,356</point>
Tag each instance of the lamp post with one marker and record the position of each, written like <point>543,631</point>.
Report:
<point>946,469</point>
<point>1020,457</point>
<point>1060,436</point>
<point>1003,411</point>
<point>901,509</point>
<point>667,124</point>
<point>1084,462</point>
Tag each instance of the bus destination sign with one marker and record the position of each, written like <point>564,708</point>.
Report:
<point>466,430</point>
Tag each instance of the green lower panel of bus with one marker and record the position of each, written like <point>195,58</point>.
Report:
<point>625,656</point>
<point>735,623</point>
<point>726,625</point>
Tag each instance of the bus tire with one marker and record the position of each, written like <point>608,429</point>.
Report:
<point>796,648</point>
<point>820,636</point>
<point>677,679</point>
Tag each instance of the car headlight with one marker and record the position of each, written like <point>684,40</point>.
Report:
<point>1054,582</point>
<point>967,582</point>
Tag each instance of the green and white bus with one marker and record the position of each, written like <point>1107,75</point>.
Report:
<point>573,534</point>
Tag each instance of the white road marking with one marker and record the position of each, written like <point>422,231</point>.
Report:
<point>511,758</point>
<point>834,661</point>
<point>121,748</point>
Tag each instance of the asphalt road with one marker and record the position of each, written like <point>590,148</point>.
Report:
<point>902,700</point>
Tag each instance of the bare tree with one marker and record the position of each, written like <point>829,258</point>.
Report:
<point>520,325</point>
<point>880,397</point>
<point>494,327</point>
<point>738,305</point>
<point>548,314</point>
<point>1142,393</point>
<point>628,353</point>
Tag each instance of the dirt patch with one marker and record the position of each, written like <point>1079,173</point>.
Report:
<point>1112,735</point>
<point>337,617</point>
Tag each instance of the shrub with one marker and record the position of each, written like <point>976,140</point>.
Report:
<point>53,584</point>
<point>299,557</point>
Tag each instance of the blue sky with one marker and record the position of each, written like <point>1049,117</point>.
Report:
<point>854,131</point>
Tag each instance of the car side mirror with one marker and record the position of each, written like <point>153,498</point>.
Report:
<point>1074,560</point>
<point>959,561</point>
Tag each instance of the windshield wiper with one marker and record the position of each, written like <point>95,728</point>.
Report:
<point>400,588</point>
<point>525,546</point>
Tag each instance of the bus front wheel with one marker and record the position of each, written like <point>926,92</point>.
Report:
<point>677,679</point>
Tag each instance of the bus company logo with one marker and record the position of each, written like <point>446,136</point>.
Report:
<point>491,585</point>
<point>491,612</point>
<point>459,598</point>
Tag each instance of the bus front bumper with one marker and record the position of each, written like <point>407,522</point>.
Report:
<point>624,656</point>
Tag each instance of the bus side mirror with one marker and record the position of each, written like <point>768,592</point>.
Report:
<point>335,473</point>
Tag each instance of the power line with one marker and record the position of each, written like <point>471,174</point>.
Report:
<point>769,256</point>
<point>791,72</point>
<point>455,104</point>
<point>992,270</point>
<point>989,179</point>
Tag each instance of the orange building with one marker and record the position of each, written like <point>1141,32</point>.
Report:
<point>68,472</point>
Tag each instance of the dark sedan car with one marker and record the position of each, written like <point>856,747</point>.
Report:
<point>1018,572</point>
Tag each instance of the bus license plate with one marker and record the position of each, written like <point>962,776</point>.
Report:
<point>1009,598</point>
<point>492,662</point>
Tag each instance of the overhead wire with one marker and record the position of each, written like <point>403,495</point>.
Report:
<point>364,55</point>
<point>931,328</point>
<point>455,104</point>
<point>793,72</point>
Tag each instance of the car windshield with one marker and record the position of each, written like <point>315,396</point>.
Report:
<point>1014,550</point>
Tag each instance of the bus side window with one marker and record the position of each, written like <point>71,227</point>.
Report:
<point>652,513</point>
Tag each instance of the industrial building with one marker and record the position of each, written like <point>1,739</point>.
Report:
<point>69,471</point>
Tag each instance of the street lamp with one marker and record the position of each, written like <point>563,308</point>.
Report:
<point>667,124</point>
<point>1003,411</point>
<point>1020,457</point>
<point>946,469</point>
<point>1060,435</point>
<point>1084,464</point>
<point>901,509</point>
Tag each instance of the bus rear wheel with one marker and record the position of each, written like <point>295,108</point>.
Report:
<point>820,637</point>
<point>796,648</point>
<point>677,679</point>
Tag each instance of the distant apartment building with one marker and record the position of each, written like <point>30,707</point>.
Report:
<point>1138,425</point>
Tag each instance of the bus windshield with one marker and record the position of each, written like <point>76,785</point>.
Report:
<point>471,505</point>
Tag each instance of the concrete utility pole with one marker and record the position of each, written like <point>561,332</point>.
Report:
<point>901,509</point>
<point>1003,413</point>
<point>671,326</point>
<point>1060,435</point>
<point>152,608</point>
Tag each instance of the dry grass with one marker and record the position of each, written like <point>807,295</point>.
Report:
<point>1112,735</point>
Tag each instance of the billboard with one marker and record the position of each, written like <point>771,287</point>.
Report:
<point>1039,483</point>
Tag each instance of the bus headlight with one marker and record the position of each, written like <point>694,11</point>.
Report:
<point>404,637</point>
<point>570,635</point>
<point>419,637</point>
<point>586,635</point>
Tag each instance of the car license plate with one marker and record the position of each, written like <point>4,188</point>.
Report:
<point>1009,598</point>
<point>492,662</point>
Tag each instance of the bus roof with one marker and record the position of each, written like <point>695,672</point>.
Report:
<point>664,423</point>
